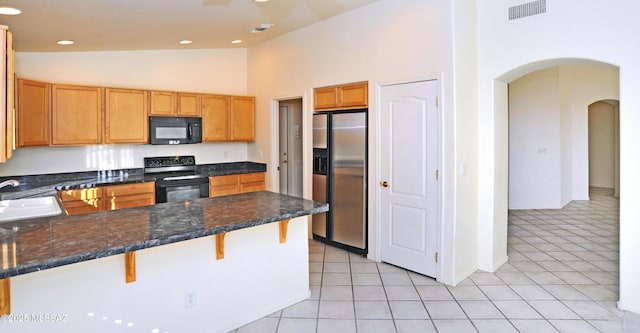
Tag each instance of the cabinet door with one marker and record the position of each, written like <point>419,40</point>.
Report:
<point>128,189</point>
<point>163,103</point>
<point>353,95</point>
<point>83,207</point>
<point>76,115</point>
<point>325,98</point>
<point>6,108</point>
<point>243,118</point>
<point>126,116</point>
<point>82,201</point>
<point>129,195</point>
<point>189,105</point>
<point>34,113</point>
<point>130,201</point>
<point>215,118</point>
<point>224,185</point>
<point>11,88</point>
<point>252,182</point>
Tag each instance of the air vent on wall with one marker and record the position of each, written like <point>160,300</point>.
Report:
<point>527,9</point>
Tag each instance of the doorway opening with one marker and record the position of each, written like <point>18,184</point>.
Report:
<point>290,147</point>
<point>604,145</point>
<point>563,143</point>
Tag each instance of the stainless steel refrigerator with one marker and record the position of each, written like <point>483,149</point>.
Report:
<point>340,178</point>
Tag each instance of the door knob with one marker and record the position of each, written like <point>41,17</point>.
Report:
<point>384,183</point>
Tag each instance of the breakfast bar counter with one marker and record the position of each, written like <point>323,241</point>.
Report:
<point>175,259</point>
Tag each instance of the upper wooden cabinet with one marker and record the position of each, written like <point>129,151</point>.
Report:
<point>34,113</point>
<point>228,118</point>
<point>168,103</point>
<point>7,97</point>
<point>67,115</point>
<point>325,98</point>
<point>76,115</point>
<point>189,105</point>
<point>243,118</point>
<point>126,116</point>
<point>346,96</point>
<point>163,103</point>
<point>215,118</point>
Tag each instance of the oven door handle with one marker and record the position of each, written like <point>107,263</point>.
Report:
<point>181,182</point>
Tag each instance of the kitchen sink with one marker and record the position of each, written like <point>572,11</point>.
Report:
<point>18,209</point>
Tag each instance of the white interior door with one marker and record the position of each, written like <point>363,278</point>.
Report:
<point>409,190</point>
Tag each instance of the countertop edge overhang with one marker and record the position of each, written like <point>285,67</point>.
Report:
<point>110,233</point>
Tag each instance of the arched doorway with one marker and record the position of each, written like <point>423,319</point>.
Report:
<point>574,179</point>
<point>549,134</point>
<point>604,145</point>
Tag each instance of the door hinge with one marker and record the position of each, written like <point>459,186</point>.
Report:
<point>436,256</point>
<point>436,101</point>
<point>437,174</point>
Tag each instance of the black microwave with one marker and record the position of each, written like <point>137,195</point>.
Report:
<point>175,130</point>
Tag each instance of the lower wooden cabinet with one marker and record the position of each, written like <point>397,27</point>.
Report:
<point>82,201</point>
<point>235,184</point>
<point>129,196</point>
<point>89,200</point>
<point>252,182</point>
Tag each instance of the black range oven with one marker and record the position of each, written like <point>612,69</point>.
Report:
<point>176,178</point>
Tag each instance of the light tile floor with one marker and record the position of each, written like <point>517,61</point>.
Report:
<point>562,276</point>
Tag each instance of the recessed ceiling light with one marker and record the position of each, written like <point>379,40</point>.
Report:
<point>260,0</point>
<point>65,42</point>
<point>185,42</point>
<point>236,41</point>
<point>9,11</point>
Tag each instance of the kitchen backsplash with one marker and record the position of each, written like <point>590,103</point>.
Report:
<point>30,161</point>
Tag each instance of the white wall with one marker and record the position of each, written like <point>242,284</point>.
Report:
<point>387,41</point>
<point>535,141</point>
<point>602,145</point>
<point>565,34</point>
<point>557,99</point>
<point>461,162</point>
<point>33,161</point>
<point>215,71</point>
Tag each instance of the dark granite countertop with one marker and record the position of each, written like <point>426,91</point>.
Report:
<point>49,184</point>
<point>32,245</point>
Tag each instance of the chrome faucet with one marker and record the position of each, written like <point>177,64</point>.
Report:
<point>10,182</point>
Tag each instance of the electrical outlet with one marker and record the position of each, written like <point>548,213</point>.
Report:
<point>190,298</point>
